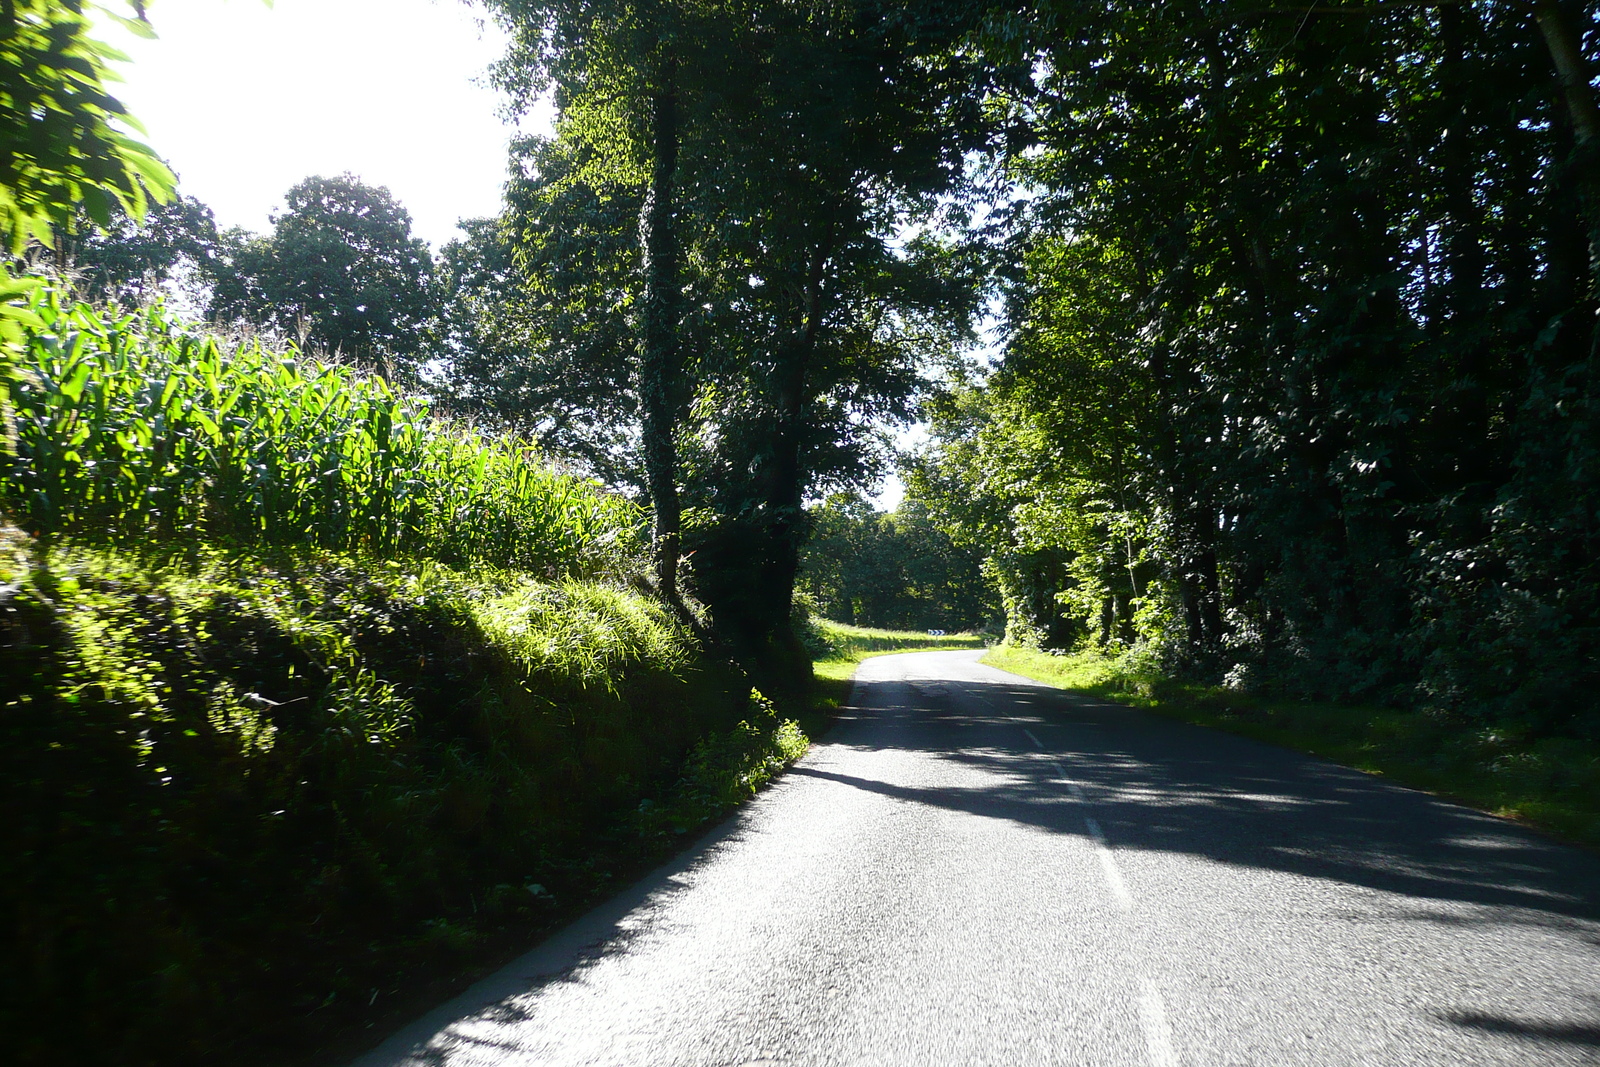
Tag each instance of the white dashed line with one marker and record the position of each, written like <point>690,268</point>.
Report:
<point>1152,1012</point>
<point>1072,787</point>
<point>1157,1034</point>
<point>1108,864</point>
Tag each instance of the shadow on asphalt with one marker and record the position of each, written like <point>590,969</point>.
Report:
<point>1154,785</point>
<point>1538,1029</point>
<point>1160,785</point>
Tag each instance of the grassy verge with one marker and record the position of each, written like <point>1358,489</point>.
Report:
<point>837,650</point>
<point>1549,783</point>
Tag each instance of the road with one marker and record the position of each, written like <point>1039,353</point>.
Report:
<point>978,869</point>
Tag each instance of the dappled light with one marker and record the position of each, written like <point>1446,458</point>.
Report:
<point>374,612</point>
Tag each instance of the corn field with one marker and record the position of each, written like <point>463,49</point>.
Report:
<point>136,427</point>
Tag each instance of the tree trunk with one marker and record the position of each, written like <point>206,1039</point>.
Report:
<point>659,359</point>
<point>1564,39</point>
<point>786,487</point>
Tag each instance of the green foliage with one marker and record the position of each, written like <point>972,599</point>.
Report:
<point>894,570</point>
<point>811,154</point>
<point>534,311</point>
<point>1299,384</point>
<point>61,152</point>
<point>727,768</point>
<point>132,260</point>
<point>340,268</point>
<point>61,148</point>
<point>136,427</point>
<point>591,631</point>
<point>294,782</point>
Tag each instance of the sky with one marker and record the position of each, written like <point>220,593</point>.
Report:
<point>244,100</point>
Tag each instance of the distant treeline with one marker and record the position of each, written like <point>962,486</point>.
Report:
<point>891,569</point>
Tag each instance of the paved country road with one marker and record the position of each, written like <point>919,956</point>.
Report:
<point>978,869</point>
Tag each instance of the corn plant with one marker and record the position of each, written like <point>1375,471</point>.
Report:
<point>133,426</point>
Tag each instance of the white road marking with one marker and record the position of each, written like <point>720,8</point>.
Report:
<point>1072,787</point>
<point>1108,864</point>
<point>1157,1034</point>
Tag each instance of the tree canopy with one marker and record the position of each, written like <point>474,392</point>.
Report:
<point>1299,385</point>
<point>341,267</point>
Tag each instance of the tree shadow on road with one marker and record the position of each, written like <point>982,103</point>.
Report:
<point>1154,784</point>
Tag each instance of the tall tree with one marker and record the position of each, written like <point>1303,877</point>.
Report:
<point>342,267</point>
<point>777,153</point>
<point>533,321</point>
<point>619,71</point>
<point>132,258</point>
<point>1301,324</point>
<point>853,126</point>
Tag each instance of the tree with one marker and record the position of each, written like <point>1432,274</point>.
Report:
<point>859,128</point>
<point>774,154</point>
<point>534,331</point>
<point>60,146</point>
<point>341,266</point>
<point>893,569</point>
<point>1298,386</point>
<point>131,258</point>
<point>618,69</point>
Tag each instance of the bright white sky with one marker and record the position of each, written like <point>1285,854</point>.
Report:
<point>243,101</point>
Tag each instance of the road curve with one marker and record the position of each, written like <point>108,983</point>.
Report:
<point>978,869</point>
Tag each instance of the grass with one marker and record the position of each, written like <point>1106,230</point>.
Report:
<point>304,782</point>
<point>1552,784</point>
<point>837,650</point>
<point>256,804</point>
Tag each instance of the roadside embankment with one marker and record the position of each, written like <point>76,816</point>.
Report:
<point>312,706</point>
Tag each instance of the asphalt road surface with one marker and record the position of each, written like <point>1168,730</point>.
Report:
<point>978,869</point>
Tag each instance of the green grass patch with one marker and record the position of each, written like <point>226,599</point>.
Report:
<point>1549,783</point>
<point>837,649</point>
